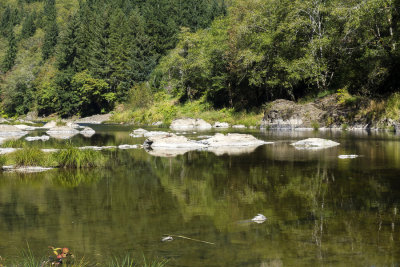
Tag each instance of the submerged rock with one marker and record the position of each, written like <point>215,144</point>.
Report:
<point>190,124</point>
<point>221,125</point>
<point>36,138</point>
<point>314,144</point>
<point>63,132</point>
<point>26,169</point>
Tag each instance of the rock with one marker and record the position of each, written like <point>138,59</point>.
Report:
<point>98,148</point>
<point>190,124</point>
<point>11,131</point>
<point>157,123</point>
<point>32,115</point>
<point>7,150</point>
<point>167,239</point>
<point>172,141</point>
<point>73,125</point>
<point>2,120</point>
<point>239,126</point>
<point>171,145</point>
<point>50,150</point>
<point>347,156</point>
<point>87,132</point>
<point>314,144</point>
<point>95,119</point>
<point>25,127</point>
<point>36,138</point>
<point>138,132</point>
<point>26,169</point>
<point>221,125</point>
<point>231,140</point>
<point>259,218</point>
<point>127,146</point>
<point>155,133</point>
<point>50,125</point>
<point>63,132</point>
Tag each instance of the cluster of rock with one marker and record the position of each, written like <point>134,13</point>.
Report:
<point>170,144</point>
<point>199,124</point>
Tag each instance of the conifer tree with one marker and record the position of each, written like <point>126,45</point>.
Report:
<point>11,54</point>
<point>28,27</point>
<point>51,29</point>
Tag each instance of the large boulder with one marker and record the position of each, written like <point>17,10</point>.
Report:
<point>314,144</point>
<point>11,131</point>
<point>173,141</point>
<point>232,140</point>
<point>49,125</point>
<point>62,132</point>
<point>87,132</point>
<point>190,124</point>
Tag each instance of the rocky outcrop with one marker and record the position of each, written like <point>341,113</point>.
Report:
<point>7,131</point>
<point>190,124</point>
<point>172,141</point>
<point>314,144</point>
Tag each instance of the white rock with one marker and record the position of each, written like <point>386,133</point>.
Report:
<point>50,150</point>
<point>138,132</point>
<point>127,146</point>
<point>36,138</point>
<point>7,150</point>
<point>155,133</point>
<point>25,127</point>
<point>190,124</point>
<point>167,239</point>
<point>221,125</point>
<point>87,132</point>
<point>314,144</point>
<point>26,169</point>
<point>97,147</point>
<point>8,131</point>
<point>49,125</point>
<point>173,141</point>
<point>239,126</point>
<point>259,218</point>
<point>63,132</point>
<point>157,123</point>
<point>348,156</point>
<point>73,125</point>
<point>232,139</point>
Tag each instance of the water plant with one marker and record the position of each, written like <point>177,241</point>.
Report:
<point>31,156</point>
<point>72,157</point>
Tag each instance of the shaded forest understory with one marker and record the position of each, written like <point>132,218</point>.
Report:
<point>94,56</point>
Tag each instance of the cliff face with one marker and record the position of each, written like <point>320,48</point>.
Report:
<point>328,112</point>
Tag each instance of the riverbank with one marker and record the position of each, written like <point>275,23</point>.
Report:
<point>334,111</point>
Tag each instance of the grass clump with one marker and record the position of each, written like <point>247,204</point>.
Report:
<point>14,143</point>
<point>72,157</point>
<point>392,110</point>
<point>128,261</point>
<point>31,156</point>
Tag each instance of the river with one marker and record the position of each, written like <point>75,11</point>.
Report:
<point>321,210</point>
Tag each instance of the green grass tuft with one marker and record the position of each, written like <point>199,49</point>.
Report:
<point>31,156</point>
<point>72,157</point>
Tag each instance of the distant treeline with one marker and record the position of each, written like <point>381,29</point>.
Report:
<point>84,57</point>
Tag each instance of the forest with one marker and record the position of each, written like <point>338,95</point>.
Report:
<point>87,57</point>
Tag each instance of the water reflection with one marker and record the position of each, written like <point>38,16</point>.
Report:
<point>320,209</point>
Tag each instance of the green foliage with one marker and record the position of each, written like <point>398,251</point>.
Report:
<point>315,125</point>
<point>28,27</point>
<point>392,109</point>
<point>72,157</point>
<point>11,54</point>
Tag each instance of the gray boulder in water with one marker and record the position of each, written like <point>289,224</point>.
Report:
<point>314,144</point>
<point>190,124</point>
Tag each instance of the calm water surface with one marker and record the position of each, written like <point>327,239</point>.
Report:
<point>321,210</point>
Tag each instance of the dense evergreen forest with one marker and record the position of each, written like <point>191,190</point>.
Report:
<point>84,57</point>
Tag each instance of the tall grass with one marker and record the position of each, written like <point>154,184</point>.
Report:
<point>31,156</point>
<point>72,157</point>
<point>14,143</point>
<point>128,261</point>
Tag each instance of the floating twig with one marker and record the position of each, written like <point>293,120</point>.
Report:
<point>193,239</point>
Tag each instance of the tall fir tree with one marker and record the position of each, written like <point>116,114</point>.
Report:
<point>11,54</point>
<point>28,27</point>
<point>51,29</point>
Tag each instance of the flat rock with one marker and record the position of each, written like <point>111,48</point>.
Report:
<point>168,152</point>
<point>63,132</point>
<point>138,132</point>
<point>37,138</point>
<point>98,148</point>
<point>221,125</point>
<point>239,126</point>
<point>7,150</point>
<point>25,127</point>
<point>26,169</point>
<point>73,125</point>
<point>314,144</point>
<point>10,130</point>
<point>348,156</point>
<point>128,146</point>
<point>232,139</point>
<point>172,141</point>
<point>190,124</point>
